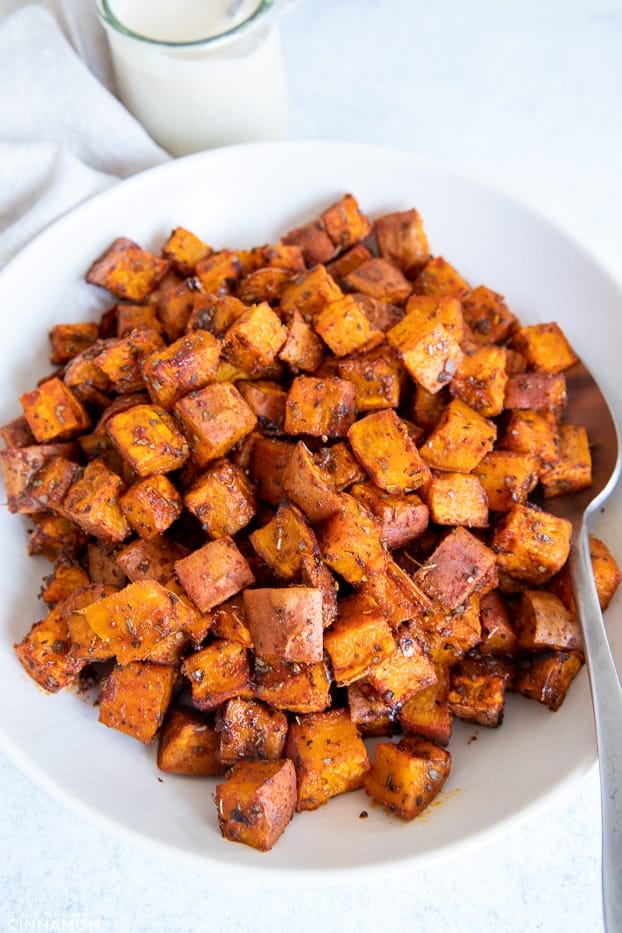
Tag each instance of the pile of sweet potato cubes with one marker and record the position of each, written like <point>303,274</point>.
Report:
<point>285,494</point>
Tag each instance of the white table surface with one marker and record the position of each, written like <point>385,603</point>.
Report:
<point>523,94</point>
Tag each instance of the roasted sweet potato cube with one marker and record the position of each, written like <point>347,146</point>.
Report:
<point>284,541</point>
<point>267,400</point>
<point>480,379</point>
<point>254,339</point>
<point>279,256</point>
<point>396,593</point>
<point>426,713</point>
<point>345,328</point>
<point>190,363</point>
<point>214,419</point>
<point>291,685</point>
<point>176,306</point>
<point>137,317</point>
<point>382,444</point>
<point>67,340</point>
<point>545,347</point>
<point>150,560</point>
<point>320,407</point>
<point>547,680</point>
<point>377,378</point>
<point>543,622</point>
<point>268,459</point>
<point>498,632</point>
<point>214,313</point>
<point>428,351</point>
<point>66,577</point>
<point>477,695</point>
<point>222,499</point>
<point>382,314</point>
<point>44,653</point>
<point>402,518</point>
<point>507,477</point>
<point>55,535</point>
<point>303,350</point>
<point>218,673</point>
<point>450,634</point>
<point>607,575</point>
<point>405,672</point>
<point>350,542</point>
<point>381,279</point>
<point>50,484</point>
<point>264,285</point>
<point>460,566</point>
<point>256,802</point>
<point>146,436</point>
<point>85,645</point>
<point>440,279</point>
<point>249,729</point>
<point>213,573</point>
<point>371,715</point>
<point>92,502</point>
<point>53,412</point>
<point>121,359</point>
<point>457,499</point>
<point>135,698</point>
<point>329,756</point>
<point>348,261</point>
<point>531,545</point>
<point>188,745</point>
<point>344,223</point>
<point>313,241</point>
<point>532,432</point>
<point>309,486</point>
<point>359,639</point>
<point>127,271</point>
<point>428,309</point>
<point>427,407</point>
<point>573,471</point>
<point>488,316</point>
<point>460,440</point>
<point>184,249</point>
<point>196,625</point>
<point>405,778</point>
<point>220,272</point>
<point>151,505</point>
<point>102,566</point>
<point>401,239</point>
<point>315,573</point>
<point>16,433</point>
<point>286,623</point>
<point>536,390</point>
<point>20,466</point>
<point>309,293</point>
<point>340,464</point>
<point>228,621</point>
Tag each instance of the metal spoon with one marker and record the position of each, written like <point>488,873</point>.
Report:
<point>588,406</point>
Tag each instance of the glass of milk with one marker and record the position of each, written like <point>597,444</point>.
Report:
<point>199,73</point>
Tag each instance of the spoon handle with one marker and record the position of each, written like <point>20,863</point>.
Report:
<point>607,701</point>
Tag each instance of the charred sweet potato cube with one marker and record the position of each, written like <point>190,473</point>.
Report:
<point>340,464</point>
<point>213,573</point>
<point>402,518</point>
<point>320,407</point>
<point>507,477</point>
<point>350,542</point>
<point>329,756</point>
<point>218,673</point>
<point>531,545</point>
<point>428,351</point>
<point>457,499</point>
<point>147,438</point>
<point>254,339</point>
<point>150,560</point>
<point>137,317</point>
<point>488,316</point>
<point>151,505</point>
<point>427,407</point>
<point>249,729</point>
<point>382,445</point>
<point>268,459</point>
<point>401,239</point>
<point>292,685</point>
<point>537,390</point>
<point>135,698</point>
<point>542,622</point>
<point>439,279</point>
<point>16,433</point>
<point>480,379</point>
<point>51,482</point>
<point>377,378</point>
<point>121,359</point>
<point>309,486</point>
<point>345,328</point>
<point>426,713</point>
<point>188,745</point>
<point>190,363</point>
<point>371,715</point>
<point>53,412</point>
<point>406,777</point>
<point>127,271</point>
<point>20,467</point>
<point>284,541</point>
<point>220,272</point>
<point>573,471</point>
<point>358,640</point>
<point>532,432</point>
<point>267,400</point>
<point>222,499</point>
<point>545,347</point>
<point>93,503</point>
<point>405,672</point>
<point>460,566</point>
<point>344,223</point>
<point>228,621</point>
<point>348,261</point>
<point>184,250</point>
<point>256,802</point>
<point>67,340</point>
<point>381,279</point>
<point>214,420</point>
<point>547,680</point>
<point>44,653</point>
<point>66,577</point>
<point>286,623</point>
<point>303,350</point>
<point>477,695</point>
<point>460,440</point>
<point>264,285</point>
<point>55,535</point>
<point>309,293</point>
<point>498,632</point>
<point>396,593</point>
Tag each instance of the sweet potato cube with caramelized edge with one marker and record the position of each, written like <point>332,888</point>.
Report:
<point>218,673</point>
<point>313,241</point>
<point>383,446</point>
<point>146,436</point>
<point>607,575</point>
<point>92,502</point>
<point>545,347</point>
<point>184,249</point>
<point>285,541</point>
<point>428,309</point>
<point>292,685</point>
<point>190,363</point>
<point>480,379</point>
<point>531,545</point>
<point>137,317</point>
<point>151,505</point>
<point>213,573</point>
<point>250,729</point>
<point>370,714</point>
<point>381,279</point>
<point>377,378</point>
<point>121,358</point>
<point>344,223</point>
<point>450,634</point>
<point>396,593</point>
<point>220,272</point>
<point>268,459</point>
<point>55,535</point>
<point>498,635</point>
<point>427,407</point>
<point>50,484</point>
<point>350,542</point>
<point>303,350</point>
<point>549,677</point>
<point>401,239</point>
<point>320,407</point>
<point>573,471</point>
<point>133,620</point>
<point>428,351</point>
<point>405,672</point>
<point>402,518</point>
<point>310,293</point>
<point>329,756</point>
<point>345,328</point>
<point>314,572</point>
<point>532,432</point>
<point>150,560</point>
<point>45,653</point>
<point>476,694</point>
<point>406,777</point>
<point>23,468</point>
<point>278,256</point>
<point>488,316</point>
<point>135,698</point>
<point>348,261</point>
<point>53,412</point>
<point>214,420</point>
<point>457,499</point>
<point>256,802</point>
<point>127,271</point>
<point>359,639</point>
<point>66,577</point>
<point>537,390</point>
<point>16,433</point>
<point>460,440</point>
<point>340,464</point>
<point>286,623</point>
<point>254,339</point>
<point>308,486</point>
<point>543,622</point>
<point>439,279</point>
<point>175,307</point>
<point>460,566</point>
<point>188,745</point>
<point>426,713</point>
<point>264,285</point>
<point>222,499</point>
<point>85,645</point>
<point>67,340</point>
<point>267,400</point>
<point>507,477</point>
<point>228,621</point>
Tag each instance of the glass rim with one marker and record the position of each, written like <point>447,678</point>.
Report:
<point>109,19</point>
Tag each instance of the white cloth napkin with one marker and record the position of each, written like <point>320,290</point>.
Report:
<point>63,133</point>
